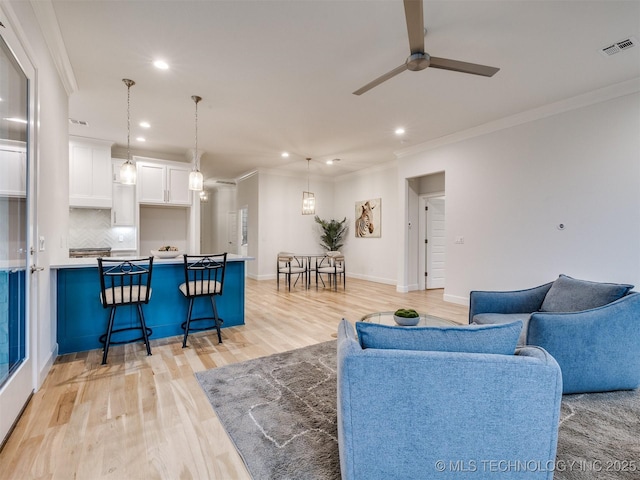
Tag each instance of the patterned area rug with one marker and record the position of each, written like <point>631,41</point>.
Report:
<point>280,412</point>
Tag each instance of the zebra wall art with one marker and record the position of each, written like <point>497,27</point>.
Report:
<point>368,213</point>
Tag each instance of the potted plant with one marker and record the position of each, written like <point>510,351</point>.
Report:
<point>407,317</point>
<point>333,232</point>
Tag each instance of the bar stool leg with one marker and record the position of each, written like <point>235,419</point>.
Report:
<point>217,319</point>
<point>186,325</point>
<point>107,341</point>
<point>144,329</point>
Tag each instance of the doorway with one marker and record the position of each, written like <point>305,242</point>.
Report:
<point>434,243</point>
<point>17,216</point>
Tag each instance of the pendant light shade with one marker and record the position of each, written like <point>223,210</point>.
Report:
<point>308,198</point>
<point>196,179</point>
<point>128,169</point>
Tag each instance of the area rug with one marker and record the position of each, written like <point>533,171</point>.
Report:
<point>280,412</point>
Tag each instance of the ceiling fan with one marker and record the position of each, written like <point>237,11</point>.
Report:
<point>419,60</point>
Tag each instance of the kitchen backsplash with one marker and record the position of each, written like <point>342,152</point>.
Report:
<point>90,228</point>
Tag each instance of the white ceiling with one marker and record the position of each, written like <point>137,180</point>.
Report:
<point>279,75</point>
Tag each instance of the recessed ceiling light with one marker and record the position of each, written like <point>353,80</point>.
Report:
<point>285,154</point>
<point>332,161</point>
<point>141,139</point>
<point>329,162</point>
<point>161,64</point>
<point>399,131</point>
<point>145,124</point>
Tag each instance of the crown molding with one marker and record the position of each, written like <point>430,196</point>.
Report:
<point>610,92</point>
<point>48,21</point>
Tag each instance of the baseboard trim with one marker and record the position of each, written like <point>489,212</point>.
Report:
<point>456,299</point>
<point>44,371</point>
<point>369,278</point>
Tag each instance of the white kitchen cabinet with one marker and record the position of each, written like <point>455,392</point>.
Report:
<point>13,172</point>
<point>123,211</point>
<point>90,180</point>
<point>163,183</point>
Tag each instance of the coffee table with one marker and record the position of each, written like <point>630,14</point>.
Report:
<point>386,318</point>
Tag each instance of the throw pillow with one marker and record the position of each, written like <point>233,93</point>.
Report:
<point>499,339</point>
<point>571,295</point>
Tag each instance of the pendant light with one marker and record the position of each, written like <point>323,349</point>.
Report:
<point>128,169</point>
<point>196,179</point>
<point>308,198</point>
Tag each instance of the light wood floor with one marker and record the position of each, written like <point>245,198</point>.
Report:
<point>146,417</point>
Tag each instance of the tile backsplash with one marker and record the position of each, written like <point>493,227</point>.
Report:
<point>91,228</point>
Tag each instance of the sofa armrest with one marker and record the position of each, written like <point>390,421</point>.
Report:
<point>421,407</point>
<point>515,301</point>
<point>597,349</point>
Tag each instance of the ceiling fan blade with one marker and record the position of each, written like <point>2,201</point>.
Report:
<point>381,79</point>
<point>464,67</point>
<point>415,25</point>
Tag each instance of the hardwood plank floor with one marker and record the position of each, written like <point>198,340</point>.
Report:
<point>146,417</point>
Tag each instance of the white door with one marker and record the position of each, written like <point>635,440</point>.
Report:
<point>17,220</point>
<point>435,243</point>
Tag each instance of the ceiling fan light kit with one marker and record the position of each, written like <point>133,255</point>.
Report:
<point>418,59</point>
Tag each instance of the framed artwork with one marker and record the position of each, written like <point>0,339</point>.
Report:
<point>368,216</point>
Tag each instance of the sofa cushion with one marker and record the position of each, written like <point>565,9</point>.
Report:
<point>502,318</point>
<point>498,339</point>
<point>571,295</point>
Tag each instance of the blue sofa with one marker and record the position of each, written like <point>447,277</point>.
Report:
<point>592,329</point>
<point>407,414</point>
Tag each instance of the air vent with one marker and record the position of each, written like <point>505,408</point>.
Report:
<point>617,47</point>
<point>82,123</point>
<point>225,182</point>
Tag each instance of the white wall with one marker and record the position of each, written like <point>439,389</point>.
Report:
<point>372,259</point>
<point>163,227</point>
<point>508,190</point>
<point>52,151</point>
<point>282,225</point>
<point>247,196</point>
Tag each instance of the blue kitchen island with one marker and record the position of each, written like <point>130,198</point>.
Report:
<point>81,319</point>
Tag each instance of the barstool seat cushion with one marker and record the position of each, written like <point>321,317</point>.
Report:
<point>201,288</point>
<point>128,294</point>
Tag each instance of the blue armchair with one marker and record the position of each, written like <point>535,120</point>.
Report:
<point>446,415</point>
<point>598,348</point>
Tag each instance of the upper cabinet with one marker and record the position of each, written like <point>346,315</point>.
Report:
<point>90,177</point>
<point>163,183</point>
<point>13,171</point>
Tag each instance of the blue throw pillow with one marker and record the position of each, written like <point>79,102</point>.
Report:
<point>571,295</point>
<point>499,339</point>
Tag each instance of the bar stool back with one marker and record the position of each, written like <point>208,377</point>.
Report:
<point>125,282</point>
<point>204,277</point>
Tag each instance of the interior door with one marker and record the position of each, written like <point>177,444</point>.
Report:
<point>16,217</point>
<point>435,245</point>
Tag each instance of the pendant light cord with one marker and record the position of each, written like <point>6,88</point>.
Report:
<point>196,99</point>
<point>129,83</point>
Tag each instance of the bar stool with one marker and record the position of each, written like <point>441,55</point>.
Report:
<point>204,277</point>
<point>122,283</point>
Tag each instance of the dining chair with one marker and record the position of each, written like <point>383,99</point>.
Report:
<point>204,278</point>
<point>124,283</point>
<point>332,265</point>
<point>288,265</point>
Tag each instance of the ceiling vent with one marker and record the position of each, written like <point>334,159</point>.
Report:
<point>82,123</point>
<point>617,47</point>
<point>225,182</point>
